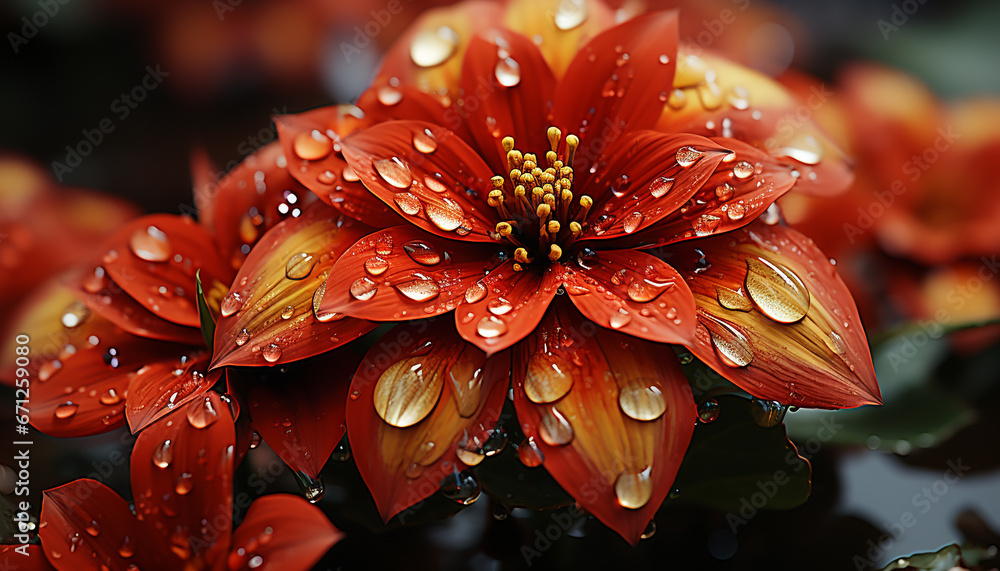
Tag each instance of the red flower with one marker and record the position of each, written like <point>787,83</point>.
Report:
<point>182,483</point>
<point>506,166</point>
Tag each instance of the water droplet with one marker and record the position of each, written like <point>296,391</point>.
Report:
<point>836,343</point>
<point>185,483</point>
<point>110,397</point>
<point>407,202</point>
<point>547,379</point>
<point>661,186</point>
<point>619,319</point>
<point>446,214</point>
<point>733,300</point>
<point>75,314</point>
<point>312,488</point>
<point>66,410</point>
<point>649,531</point>
<point>422,253</point>
<point>742,169</point>
<point>232,303</point>
<point>708,411</point>
<point>508,72</point>
<point>202,413</point>
<point>242,337</point>
<point>299,266</point>
<point>288,312</point>
<point>475,293</point>
<point>461,487</point>
<point>433,47</point>
<point>490,327</point>
<point>363,289</point>
<point>163,455</point>
<point>687,156</point>
<point>414,470</point>
<point>394,171</point>
<point>376,265</point>
<point>93,528</point>
<point>634,490</point>
<point>530,454</point>
<point>767,413</point>
<point>312,146</point>
<point>642,400</point>
<point>804,148</point>
<point>736,211</point>
<point>469,457</point>
<point>271,352</point>
<point>404,395</point>
<point>150,244</point>
<point>554,429</point>
<point>389,95</point>
<point>420,289</point>
<point>425,142</point>
<point>126,549</point>
<point>776,290</point>
<point>499,306</point>
<point>631,222</point>
<point>641,290</point>
<point>570,14</point>
<point>732,346</point>
<point>384,245</point>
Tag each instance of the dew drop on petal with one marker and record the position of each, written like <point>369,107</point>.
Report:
<point>271,352</point>
<point>299,266</point>
<point>687,156</point>
<point>185,483</point>
<point>732,300</point>
<point>420,289</point>
<point>732,346</point>
<point>312,146</point>
<point>110,397</point>
<point>150,244</point>
<point>642,401</point>
<point>202,413</point>
<point>547,378</point>
<point>634,490</point>
<point>619,319</point>
<point>376,265</point>
<point>776,290</point>
<point>475,293</point>
<point>163,454</point>
<point>508,72</point>
<point>554,429</point>
<point>499,306</point>
<point>288,312</point>
<point>232,303</point>
<point>424,141</point>
<point>422,253</point>
<point>767,413</point>
<point>434,47</point>
<point>66,410</point>
<point>570,14</point>
<point>836,343</point>
<point>661,186</point>
<point>446,215</point>
<point>631,222</point>
<point>242,337</point>
<point>530,454</point>
<point>363,289</point>
<point>742,169</point>
<point>490,327</point>
<point>407,202</point>
<point>394,171</point>
<point>736,211</point>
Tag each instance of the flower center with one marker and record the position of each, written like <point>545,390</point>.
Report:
<point>540,215</point>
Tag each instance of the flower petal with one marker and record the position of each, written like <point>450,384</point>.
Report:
<point>428,175</point>
<point>299,409</point>
<point>503,307</point>
<point>281,531</point>
<point>647,178</point>
<point>34,561</point>
<point>158,388</point>
<point>312,143</point>
<point>714,97</point>
<point>615,435</point>
<point>420,394</point>
<point>250,199</point>
<point>775,319</point>
<point>565,26</point>
<point>84,523</point>
<point>614,84</point>
<point>182,475</point>
<point>270,315</point>
<point>514,90</point>
<point>403,273</point>
<point>387,100</point>
<point>154,259</point>
<point>632,292</point>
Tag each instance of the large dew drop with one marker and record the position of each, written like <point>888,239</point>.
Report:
<point>202,413</point>
<point>433,47</point>
<point>490,327</point>
<point>363,289</point>
<point>407,202</point>
<point>508,72</point>
<point>642,400</point>
<point>395,172</point>
<point>776,290</point>
<point>732,346</point>
<point>732,300</point>
<point>687,156</point>
<point>547,379</point>
<point>446,215</point>
<point>634,490</point>
<point>420,289</point>
<point>163,454</point>
<point>404,395</point>
<point>571,14</point>
<point>150,244</point>
<point>312,146</point>
<point>661,186</point>
<point>422,253</point>
<point>299,266</point>
<point>554,429</point>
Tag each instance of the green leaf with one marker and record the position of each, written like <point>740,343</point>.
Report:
<point>205,314</point>
<point>733,459</point>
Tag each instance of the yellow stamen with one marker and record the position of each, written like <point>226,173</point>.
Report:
<point>518,268</point>
<point>554,134</point>
<point>521,256</point>
<point>497,182</point>
<point>555,252</point>
<point>543,212</point>
<point>585,203</point>
<point>504,229</point>
<point>575,229</point>
<point>572,143</point>
<point>508,144</point>
<point>553,227</point>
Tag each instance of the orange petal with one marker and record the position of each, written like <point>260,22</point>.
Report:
<point>182,475</point>
<point>270,314</point>
<point>562,26</point>
<point>403,273</point>
<point>281,531</point>
<point>614,83</point>
<point>775,319</point>
<point>632,292</point>
<point>84,524</point>
<point>158,388</point>
<point>427,174</point>
<point>715,97</point>
<point>499,310</point>
<point>611,415</point>
<point>34,561</point>
<point>249,200</point>
<point>443,396</point>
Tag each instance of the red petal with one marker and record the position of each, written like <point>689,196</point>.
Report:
<point>453,399</point>
<point>640,181</point>
<point>506,305</point>
<point>300,412</point>
<point>383,101</point>
<point>819,361</point>
<point>270,315</point>
<point>404,273</point>
<point>154,260</point>
<point>250,199</point>
<point>632,292</point>
<point>158,388</point>
<point>312,143</point>
<point>182,474</point>
<point>521,110</point>
<point>284,532</point>
<point>429,175</point>
<point>34,560</point>
<point>614,84</point>
<point>85,523</point>
<point>589,432</point>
